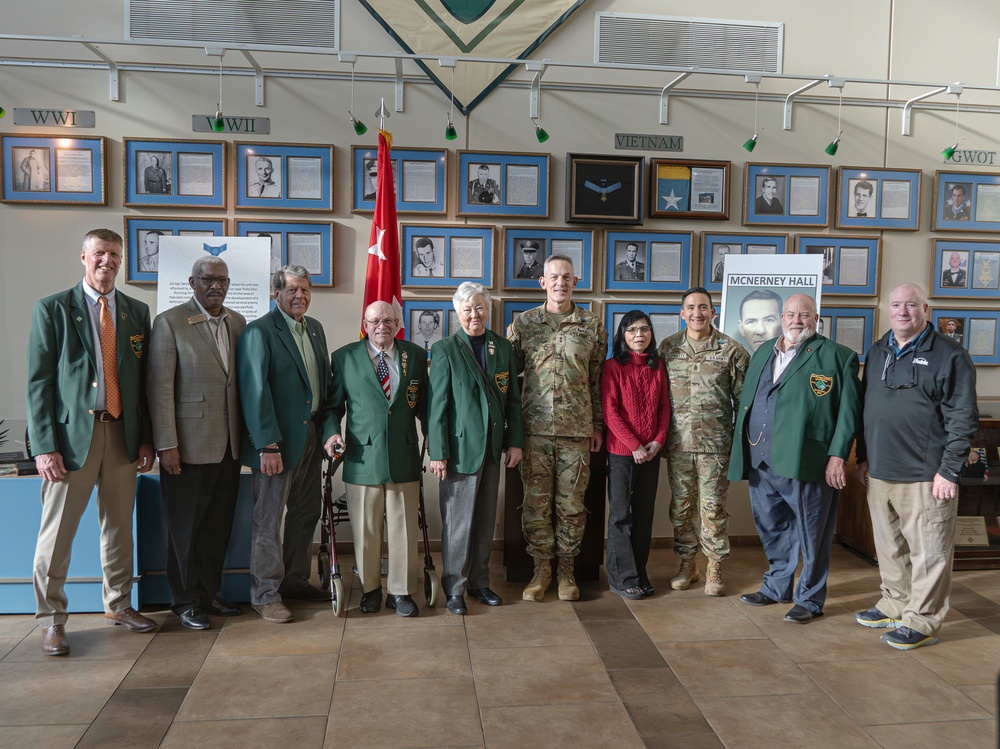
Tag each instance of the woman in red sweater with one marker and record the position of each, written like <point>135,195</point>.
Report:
<point>636,403</point>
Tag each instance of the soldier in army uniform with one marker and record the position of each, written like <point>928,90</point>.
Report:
<point>560,348</point>
<point>706,369</point>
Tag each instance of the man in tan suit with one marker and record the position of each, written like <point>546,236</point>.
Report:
<point>197,424</point>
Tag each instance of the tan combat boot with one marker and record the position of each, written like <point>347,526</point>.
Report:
<point>567,580</point>
<point>687,574</point>
<point>713,579</point>
<point>540,581</point>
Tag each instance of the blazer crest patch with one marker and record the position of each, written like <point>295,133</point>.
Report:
<point>411,394</point>
<point>502,380</point>
<point>821,384</point>
<point>137,342</point>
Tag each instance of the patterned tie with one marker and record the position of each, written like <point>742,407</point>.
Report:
<point>382,370</point>
<point>109,356</point>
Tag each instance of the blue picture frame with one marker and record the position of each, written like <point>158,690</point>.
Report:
<point>839,323</point>
<point>979,330</point>
<point>529,172</point>
<point>54,170</point>
<point>801,197</point>
<point>138,270</point>
<point>453,253</point>
<point>296,245</point>
<point>975,276</point>
<point>173,173</point>
<point>851,265</point>
<point>575,243</point>
<point>712,244</point>
<point>890,198</point>
<point>421,178</point>
<point>663,254</point>
<point>666,318</point>
<point>310,165</point>
<point>514,307</point>
<point>982,199</point>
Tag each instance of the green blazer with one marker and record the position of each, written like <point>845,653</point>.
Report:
<point>817,413</point>
<point>63,361</point>
<point>382,441</point>
<point>472,412</point>
<point>274,388</point>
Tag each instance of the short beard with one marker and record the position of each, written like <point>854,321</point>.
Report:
<point>795,339</point>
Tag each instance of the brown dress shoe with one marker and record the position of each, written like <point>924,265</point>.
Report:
<point>54,640</point>
<point>131,619</point>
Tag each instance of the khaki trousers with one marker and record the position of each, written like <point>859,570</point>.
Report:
<point>392,508</point>
<point>915,543</point>
<point>63,504</point>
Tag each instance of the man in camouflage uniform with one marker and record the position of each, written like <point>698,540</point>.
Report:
<point>706,370</point>
<point>560,348</point>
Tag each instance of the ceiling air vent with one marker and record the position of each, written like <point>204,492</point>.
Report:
<point>700,42</point>
<point>310,24</point>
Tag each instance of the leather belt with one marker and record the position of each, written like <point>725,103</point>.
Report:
<point>104,417</point>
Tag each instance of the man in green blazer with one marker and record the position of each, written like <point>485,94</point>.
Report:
<point>475,414</point>
<point>88,423</point>
<point>795,427</point>
<point>380,384</point>
<point>283,369</point>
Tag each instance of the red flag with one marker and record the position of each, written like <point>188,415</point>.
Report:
<point>382,279</point>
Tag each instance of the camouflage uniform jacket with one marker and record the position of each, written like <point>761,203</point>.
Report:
<point>561,395</point>
<point>706,380</point>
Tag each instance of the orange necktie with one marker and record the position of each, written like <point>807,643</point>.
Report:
<point>109,355</point>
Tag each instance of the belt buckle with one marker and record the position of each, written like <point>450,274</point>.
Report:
<point>104,417</point>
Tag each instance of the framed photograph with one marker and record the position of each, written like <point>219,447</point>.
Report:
<point>783,195</point>
<point>975,329</point>
<point>305,243</point>
<point>679,188</point>
<point>647,261</point>
<point>966,201</point>
<point>427,321</point>
<point>604,189</point>
<point>283,177</point>
<point>527,247</point>
<point>142,242</point>
<point>714,248</point>
<point>665,318</point>
<point>420,176</point>
<point>54,169</point>
<point>854,327</point>
<point>441,256</point>
<point>851,265</point>
<point>965,269</point>
<point>501,183</point>
<point>174,173</point>
<point>878,198</point>
<point>514,307</point>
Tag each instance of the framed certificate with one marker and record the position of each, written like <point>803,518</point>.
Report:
<point>174,173</point>
<point>283,177</point>
<point>54,170</point>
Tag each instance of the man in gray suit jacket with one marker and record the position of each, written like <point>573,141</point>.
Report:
<point>197,425</point>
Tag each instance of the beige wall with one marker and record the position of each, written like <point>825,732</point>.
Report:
<point>39,246</point>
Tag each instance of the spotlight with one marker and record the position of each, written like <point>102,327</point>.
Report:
<point>449,132</point>
<point>540,132</point>
<point>359,127</point>
<point>834,145</point>
<point>752,142</point>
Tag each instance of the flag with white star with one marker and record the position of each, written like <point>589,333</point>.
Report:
<point>382,278</point>
<point>673,187</point>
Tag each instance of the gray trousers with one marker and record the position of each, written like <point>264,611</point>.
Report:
<point>277,563</point>
<point>468,517</point>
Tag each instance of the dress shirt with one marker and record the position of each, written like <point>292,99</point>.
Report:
<point>220,332</point>
<point>782,359</point>
<point>94,313</point>
<point>300,333</point>
<point>390,360</point>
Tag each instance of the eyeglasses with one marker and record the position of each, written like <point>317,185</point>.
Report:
<point>890,365</point>
<point>388,321</point>
<point>635,329</point>
<point>210,281</point>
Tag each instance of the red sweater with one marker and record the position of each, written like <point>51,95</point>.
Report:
<point>636,402</point>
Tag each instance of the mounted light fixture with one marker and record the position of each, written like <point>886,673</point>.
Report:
<point>449,132</point>
<point>752,142</point>
<point>540,134</point>
<point>218,123</point>
<point>535,95</point>
<point>955,88</point>
<point>831,149</point>
<point>360,128</point>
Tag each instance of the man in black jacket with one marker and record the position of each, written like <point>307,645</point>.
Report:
<point>920,414</point>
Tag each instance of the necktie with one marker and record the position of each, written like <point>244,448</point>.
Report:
<point>262,186</point>
<point>427,346</point>
<point>109,357</point>
<point>382,370</point>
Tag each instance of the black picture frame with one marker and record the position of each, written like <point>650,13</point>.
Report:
<point>604,189</point>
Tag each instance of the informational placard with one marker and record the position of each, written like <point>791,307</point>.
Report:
<point>249,261</point>
<point>971,531</point>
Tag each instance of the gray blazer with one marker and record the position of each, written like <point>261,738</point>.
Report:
<point>193,401</point>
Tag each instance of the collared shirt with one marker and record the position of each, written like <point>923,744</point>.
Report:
<point>303,341</point>
<point>782,359</point>
<point>94,314</point>
<point>907,347</point>
<point>390,360</point>
<point>219,330</point>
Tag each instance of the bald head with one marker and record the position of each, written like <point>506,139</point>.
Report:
<point>381,324</point>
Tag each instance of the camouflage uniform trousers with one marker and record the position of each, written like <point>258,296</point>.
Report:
<point>555,472</point>
<point>698,486</point>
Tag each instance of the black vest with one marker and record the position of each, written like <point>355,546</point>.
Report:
<point>761,419</point>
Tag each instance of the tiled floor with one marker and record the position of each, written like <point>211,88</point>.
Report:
<point>676,670</point>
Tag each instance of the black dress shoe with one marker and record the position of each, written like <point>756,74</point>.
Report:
<point>221,607</point>
<point>371,602</point>
<point>486,596</point>
<point>800,615</point>
<point>456,604</point>
<point>194,618</point>
<point>307,593</point>
<point>403,605</point>
<point>757,599</point>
